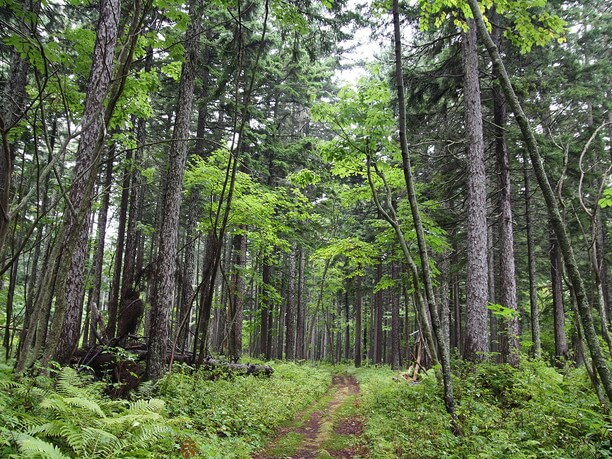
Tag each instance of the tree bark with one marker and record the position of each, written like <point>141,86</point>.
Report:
<point>396,362</point>
<point>377,319</point>
<point>476,331</point>
<point>358,324</point>
<point>71,247</point>
<point>116,290</point>
<point>290,312</point>
<point>531,266</point>
<point>13,107</point>
<point>556,277</point>
<point>444,355</point>
<point>236,298</point>
<point>509,339</point>
<point>265,336</point>
<point>98,260</point>
<point>575,278</point>
<point>165,275</point>
<point>301,308</point>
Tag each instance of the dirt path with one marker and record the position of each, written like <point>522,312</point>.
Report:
<point>328,431</point>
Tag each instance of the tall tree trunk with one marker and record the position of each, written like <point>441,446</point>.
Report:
<point>10,296</point>
<point>443,352</point>
<point>70,250</point>
<point>115,294</point>
<point>291,300</point>
<point>395,322</point>
<point>444,296</point>
<point>98,260</point>
<point>165,274</point>
<point>377,319</point>
<point>236,297</point>
<point>133,254</point>
<point>531,266</point>
<point>575,278</point>
<point>358,323</point>
<point>347,328</point>
<point>476,332</point>
<point>509,339</point>
<point>556,276</point>
<point>301,308</point>
<point>265,306</point>
<point>13,107</point>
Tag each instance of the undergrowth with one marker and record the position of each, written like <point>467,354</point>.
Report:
<point>185,415</point>
<point>531,412</point>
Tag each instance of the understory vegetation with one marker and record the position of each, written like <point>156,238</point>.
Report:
<point>520,413</point>
<point>534,411</point>
<point>186,414</point>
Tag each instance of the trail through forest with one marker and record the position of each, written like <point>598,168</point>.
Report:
<point>329,428</point>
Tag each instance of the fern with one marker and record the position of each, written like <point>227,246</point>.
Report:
<point>50,429</point>
<point>85,404</point>
<point>69,383</point>
<point>69,416</point>
<point>100,443</point>
<point>32,447</point>
<point>147,406</point>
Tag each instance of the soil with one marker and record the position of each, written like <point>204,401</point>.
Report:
<point>322,425</point>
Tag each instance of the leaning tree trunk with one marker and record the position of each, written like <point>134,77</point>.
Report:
<point>476,331</point>
<point>575,278</point>
<point>71,247</point>
<point>165,278</point>
<point>443,351</point>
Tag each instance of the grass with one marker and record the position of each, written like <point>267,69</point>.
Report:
<point>287,445</point>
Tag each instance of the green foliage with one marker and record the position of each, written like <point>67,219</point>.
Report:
<point>503,312</point>
<point>530,412</point>
<point>532,25</point>
<point>357,253</point>
<point>68,416</point>
<point>237,415</point>
<point>606,199</point>
<point>254,205</point>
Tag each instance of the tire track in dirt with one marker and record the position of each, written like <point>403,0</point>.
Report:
<point>322,425</point>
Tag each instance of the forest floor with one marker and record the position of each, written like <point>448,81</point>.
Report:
<point>330,428</point>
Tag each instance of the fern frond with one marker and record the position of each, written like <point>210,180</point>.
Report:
<point>154,405</point>
<point>86,404</point>
<point>69,383</point>
<point>150,433</point>
<point>56,404</point>
<point>35,447</point>
<point>127,421</point>
<point>100,443</point>
<point>73,436</point>
<point>7,383</point>
<point>50,429</point>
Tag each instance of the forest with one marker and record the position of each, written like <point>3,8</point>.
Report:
<point>308,229</point>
